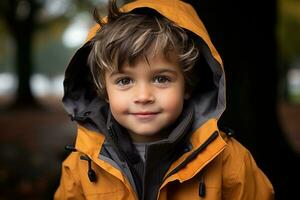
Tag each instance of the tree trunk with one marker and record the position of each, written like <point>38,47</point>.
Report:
<point>24,65</point>
<point>244,34</point>
<point>20,19</point>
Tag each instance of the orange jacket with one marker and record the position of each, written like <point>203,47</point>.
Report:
<point>227,168</point>
<point>215,167</point>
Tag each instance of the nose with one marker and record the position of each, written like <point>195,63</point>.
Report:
<point>144,94</point>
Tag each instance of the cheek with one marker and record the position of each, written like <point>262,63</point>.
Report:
<point>172,101</point>
<point>117,103</point>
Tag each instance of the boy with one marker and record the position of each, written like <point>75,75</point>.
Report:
<point>147,90</point>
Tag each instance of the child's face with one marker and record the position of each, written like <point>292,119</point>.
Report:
<point>146,98</point>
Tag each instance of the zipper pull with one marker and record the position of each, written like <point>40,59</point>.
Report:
<point>202,189</point>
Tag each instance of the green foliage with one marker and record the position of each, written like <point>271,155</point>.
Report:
<point>289,29</point>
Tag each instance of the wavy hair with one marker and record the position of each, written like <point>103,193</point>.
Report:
<point>124,37</point>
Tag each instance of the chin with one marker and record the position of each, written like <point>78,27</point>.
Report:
<point>147,133</point>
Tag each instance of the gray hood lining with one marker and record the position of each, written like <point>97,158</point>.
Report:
<point>84,105</point>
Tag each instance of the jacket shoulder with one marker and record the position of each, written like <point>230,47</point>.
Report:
<point>241,175</point>
<point>70,184</point>
<point>72,160</point>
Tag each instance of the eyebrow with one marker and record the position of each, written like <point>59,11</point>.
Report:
<point>154,71</point>
<point>159,71</point>
<point>114,73</point>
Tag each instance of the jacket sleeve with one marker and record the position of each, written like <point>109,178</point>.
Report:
<point>242,178</point>
<point>70,186</point>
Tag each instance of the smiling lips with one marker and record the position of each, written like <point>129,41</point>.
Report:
<point>145,115</point>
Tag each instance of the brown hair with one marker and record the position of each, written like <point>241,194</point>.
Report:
<point>127,36</point>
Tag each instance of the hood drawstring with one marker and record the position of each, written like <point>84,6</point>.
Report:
<point>228,131</point>
<point>70,148</point>
<point>202,190</point>
<point>91,173</point>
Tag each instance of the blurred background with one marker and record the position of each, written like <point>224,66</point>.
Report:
<point>258,41</point>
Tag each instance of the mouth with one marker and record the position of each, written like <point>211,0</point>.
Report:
<point>145,115</point>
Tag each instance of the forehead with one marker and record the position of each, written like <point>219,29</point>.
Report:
<point>152,61</point>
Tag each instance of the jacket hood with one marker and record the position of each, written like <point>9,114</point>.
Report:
<point>208,99</point>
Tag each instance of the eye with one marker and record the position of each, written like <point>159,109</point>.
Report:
<point>162,79</point>
<point>124,81</point>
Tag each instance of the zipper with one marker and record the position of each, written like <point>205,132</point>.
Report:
<point>193,155</point>
<point>127,183</point>
<point>125,171</point>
